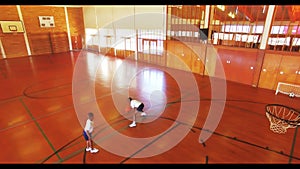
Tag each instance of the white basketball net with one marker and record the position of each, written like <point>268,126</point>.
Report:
<point>281,118</point>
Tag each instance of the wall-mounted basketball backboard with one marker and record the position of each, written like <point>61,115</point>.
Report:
<point>12,26</point>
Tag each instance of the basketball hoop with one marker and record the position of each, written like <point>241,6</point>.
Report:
<point>282,117</point>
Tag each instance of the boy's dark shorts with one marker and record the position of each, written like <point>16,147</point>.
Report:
<point>140,108</point>
<point>86,137</point>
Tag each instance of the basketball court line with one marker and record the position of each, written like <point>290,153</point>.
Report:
<point>38,118</point>
<point>63,86</point>
<point>180,99</point>
<point>196,127</point>
<point>293,144</point>
<point>215,100</point>
<point>39,127</point>
<point>154,140</point>
<point>5,100</point>
<point>223,100</point>
<point>199,128</point>
<point>95,135</point>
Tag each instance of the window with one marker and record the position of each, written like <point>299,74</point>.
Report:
<point>240,26</point>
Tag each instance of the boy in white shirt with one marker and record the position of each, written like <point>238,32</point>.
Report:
<point>138,106</point>
<point>87,133</point>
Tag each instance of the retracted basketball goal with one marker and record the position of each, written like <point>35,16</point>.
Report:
<point>282,117</point>
<point>293,90</point>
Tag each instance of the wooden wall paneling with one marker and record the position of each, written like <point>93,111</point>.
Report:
<point>297,81</point>
<point>14,45</point>
<point>211,60</point>
<point>269,71</point>
<point>258,67</point>
<point>59,42</point>
<point>141,56</point>
<point>238,64</point>
<point>129,53</point>
<point>175,50</point>
<point>170,46</point>
<point>182,53</point>
<point>146,57</point>
<point>178,48</point>
<point>197,65</point>
<point>163,59</point>
<point>94,48</point>
<point>76,42</point>
<point>170,50</point>
<point>76,23</point>
<point>288,70</point>
<point>107,51</point>
<point>120,53</point>
<point>197,57</point>
<point>224,64</point>
<point>186,55</point>
<point>243,66</point>
<point>9,13</point>
<point>39,43</point>
<point>102,50</point>
<point>1,54</point>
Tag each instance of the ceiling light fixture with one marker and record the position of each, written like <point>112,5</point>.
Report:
<point>222,7</point>
<point>264,9</point>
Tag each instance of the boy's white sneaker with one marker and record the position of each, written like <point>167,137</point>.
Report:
<point>88,149</point>
<point>94,150</point>
<point>133,124</point>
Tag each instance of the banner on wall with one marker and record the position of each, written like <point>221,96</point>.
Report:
<point>46,21</point>
<point>12,26</point>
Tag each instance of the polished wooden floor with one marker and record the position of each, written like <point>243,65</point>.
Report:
<point>40,124</point>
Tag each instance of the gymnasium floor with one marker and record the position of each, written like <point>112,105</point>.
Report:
<point>44,102</point>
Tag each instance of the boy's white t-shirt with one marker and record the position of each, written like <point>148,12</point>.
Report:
<point>89,125</point>
<point>135,103</point>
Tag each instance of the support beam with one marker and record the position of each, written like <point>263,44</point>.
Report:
<point>267,27</point>
<point>25,34</point>
<point>206,21</point>
<point>68,29</point>
<point>2,49</point>
<point>211,17</point>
